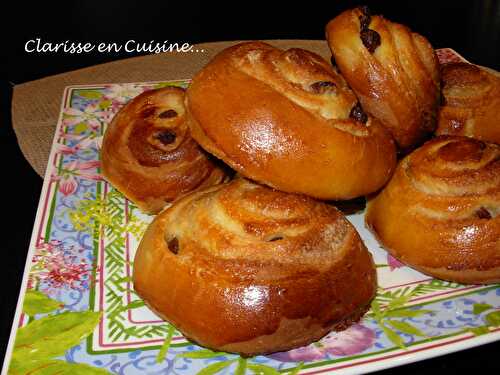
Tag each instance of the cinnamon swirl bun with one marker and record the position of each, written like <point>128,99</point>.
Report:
<point>149,155</point>
<point>440,211</point>
<point>243,268</point>
<point>393,71</point>
<point>288,120</point>
<point>471,105</point>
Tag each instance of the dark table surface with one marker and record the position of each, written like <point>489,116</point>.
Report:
<point>470,27</point>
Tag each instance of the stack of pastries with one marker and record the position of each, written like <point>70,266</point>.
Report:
<point>260,264</point>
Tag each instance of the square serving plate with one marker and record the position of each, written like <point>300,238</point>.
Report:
<point>78,313</point>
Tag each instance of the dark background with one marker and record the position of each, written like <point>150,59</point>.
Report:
<point>470,27</point>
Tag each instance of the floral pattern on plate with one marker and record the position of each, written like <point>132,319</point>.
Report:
<point>80,313</point>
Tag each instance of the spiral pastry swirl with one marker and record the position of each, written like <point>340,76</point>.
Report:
<point>149,155</point>
<point>268,270</point>
<point>471,102</point>
<point>440,211</point>
<point>288,120</point>
<point>393,71</point>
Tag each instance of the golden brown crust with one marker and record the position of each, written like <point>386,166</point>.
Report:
<point>440,211</point>
<point>149,155</point>
<point>394,72</point>
<point>244,268</point>
<point>283,118</point>
<point>471,102</point>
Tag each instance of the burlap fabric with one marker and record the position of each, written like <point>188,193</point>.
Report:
<point>36,104</point>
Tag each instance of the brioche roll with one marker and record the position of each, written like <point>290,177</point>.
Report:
<point>471,102</point>
<point>393,71</point>
<point>243,268</point>
<point>440,211</point>
<point>288,120</point>
<point>149,155</point>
